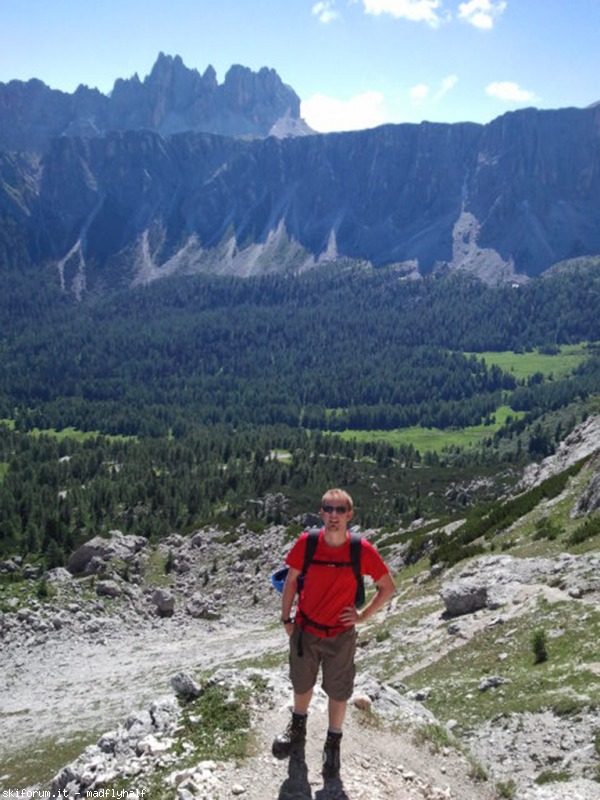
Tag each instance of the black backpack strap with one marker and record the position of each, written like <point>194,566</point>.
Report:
<point>311,545</point>
<point>355,551</point>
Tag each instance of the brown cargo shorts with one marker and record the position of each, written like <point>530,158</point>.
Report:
<point>335,655</point>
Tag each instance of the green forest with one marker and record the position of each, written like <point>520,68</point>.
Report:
<point>203,395</point>
<point>343,349</point>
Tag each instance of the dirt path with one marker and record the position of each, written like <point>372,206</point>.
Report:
<point>378,763</point>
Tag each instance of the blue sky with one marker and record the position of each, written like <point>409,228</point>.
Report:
<point>354,63</point>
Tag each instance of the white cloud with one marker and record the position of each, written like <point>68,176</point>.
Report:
<point>481,13</point>
<point>510,91</point>
<point>419,93</point>
<point>325,11</point>
<point>448,83</point>
<point>412,10</point>
<point>325,114</point>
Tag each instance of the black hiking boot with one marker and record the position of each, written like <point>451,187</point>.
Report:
<point>293,737</point>
<point>331,756</point>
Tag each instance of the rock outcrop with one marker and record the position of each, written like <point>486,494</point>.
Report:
<point>130,749</point>
<point>495,581</point>
<point>580,443</point>
<point>93,556</point>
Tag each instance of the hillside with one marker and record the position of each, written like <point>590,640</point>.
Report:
<point>452,701</point>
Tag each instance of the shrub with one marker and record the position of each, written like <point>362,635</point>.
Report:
<point>435,735</point>
<point>589,528</point>
<point>552,777</point>
<point>538,642</point>
<point>546,529</point>
<point>45,590</point>
<point>477,771</point>
<point>225,727</point>
<point>507,789</point>
<point>568,707</point>
<point>382,634</point>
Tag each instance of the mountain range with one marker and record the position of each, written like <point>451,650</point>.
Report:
<point>178,174</point>
<point>171,99</point>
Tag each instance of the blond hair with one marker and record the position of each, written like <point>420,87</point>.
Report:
<point>340,495</point>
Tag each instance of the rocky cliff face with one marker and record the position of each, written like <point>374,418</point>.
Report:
<point>504,201</point>
<point>170,100</point>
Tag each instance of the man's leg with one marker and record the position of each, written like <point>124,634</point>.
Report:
<point>337,713</point>
<point>331,750</point>
<point>303,672</point>
<point>302,702</point>
<point>338,682</point>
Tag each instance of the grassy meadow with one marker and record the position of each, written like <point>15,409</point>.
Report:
<point>523,365</point>
<point>436,440</point>
<point>520,365</point>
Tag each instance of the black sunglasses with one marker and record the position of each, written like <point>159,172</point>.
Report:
<point>338,509</point>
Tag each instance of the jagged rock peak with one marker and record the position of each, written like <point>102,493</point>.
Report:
<point>170,73</point>
<point>171,99</point>
<point>210,76</point>
<point>165,63</point>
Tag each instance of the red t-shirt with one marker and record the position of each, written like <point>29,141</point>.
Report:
<point>328,590</point>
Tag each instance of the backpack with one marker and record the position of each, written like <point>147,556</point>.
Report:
<point>279,576</point>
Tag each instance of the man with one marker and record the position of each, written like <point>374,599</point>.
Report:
<point>322,632</point>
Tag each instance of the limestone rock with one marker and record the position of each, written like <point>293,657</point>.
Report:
<point>108,589</point>
<point>185,686</point>
<point>99,549</point>
<point>464,597</point>
<point>201,607</point>
<point>164,602</point>
<point>581,442</point>
<point>589,500</point>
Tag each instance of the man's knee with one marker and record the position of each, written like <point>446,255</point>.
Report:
<point>339,669</point>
